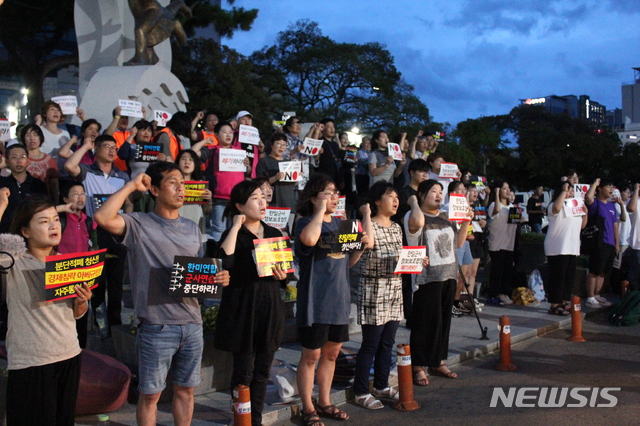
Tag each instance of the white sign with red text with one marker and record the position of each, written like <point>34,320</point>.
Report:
<point>161,117</point>
<point>341,209</point>
<point>5,130</point>
<point>395,151</point>
<point>410,261</point>
<point>574,207</point>
<point>448,170</point>
<point>277,217</point>
<point>458,208</point>
<point>232,160</point>
<point>68,104</point>
<point>580,190</point>
<point>311,146</point>
<point>248,134</point>
<point>130,108</point>
<point>292,171</point>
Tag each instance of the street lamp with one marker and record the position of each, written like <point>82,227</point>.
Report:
<point>24,90</point>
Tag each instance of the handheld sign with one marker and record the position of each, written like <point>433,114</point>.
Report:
<point>270,252</point>
<point>277,217</point>
<point>65,271</point>
<point>147,152</point>
<point>580,190</point>
<point>479,181</point>
<point>458,208</point>
<point>292,170</point>
<point>193,190</point>
<point>349,236</point>
<point>248,134</point>
<point>573,207</point>
<point>350,156</point>
<point>161,117</point>
<point>193,277</point>
<point>614,195</point>
<point>5,130</point>
<point>130,108</point>
<point>410,261</point>
<point>341,209</point>
<point>515,215</point>
<point>68,104</point>
<point>480,213</point>
<point>394,151</point>
<point>232,160</point>
<point>475,227</point>
<point>99,199</point>
<point>311,146</point>
<point>448,170</point>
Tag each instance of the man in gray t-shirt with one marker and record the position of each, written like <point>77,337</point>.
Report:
<point>170,328</point>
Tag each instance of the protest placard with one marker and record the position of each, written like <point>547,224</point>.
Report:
<point>480,213</point>
<point>448,170</point>
<point>99,199</point>
<point>277,217</point>
<point>232,160</point>
<point>65,271</point>
<point>395,151</point>
<point>479,181</point>
<point>458,208</point>
<point>349,156</point>
<point>248,134</point>
<point>5,130</point>
<point>341,209</point>
<point>68,104</point>
<point>292,170</point>
<point>130,108</point>
<point>574,207</point>
<point>580,190</point>
<point>614,195</point>
<point>311,146</point>
<point>193,277</point>
<point>515,215</point>
<point>475,226</point>
<point>270,252</point>
<point>193,190</point>
<point>410,261</point>
<point>147,152</point>
<point>161,117</point>
<point>349,236</point>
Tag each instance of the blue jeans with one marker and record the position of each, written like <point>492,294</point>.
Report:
<point>217,221</point>
<point>536,227</point>
<point>161,346</point>
<point>377,342</point>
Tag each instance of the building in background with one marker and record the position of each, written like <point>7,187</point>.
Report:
<point>630,129</point>
<point>574,106</point>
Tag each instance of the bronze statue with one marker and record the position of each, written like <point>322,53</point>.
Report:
<point>155,24</point>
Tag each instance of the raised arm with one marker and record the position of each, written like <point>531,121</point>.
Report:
<point>111,129</point>
<point>65,150</point>
<point>310,234</point>
<point>416,217</point>
<point>558,204</point>
<point>633,202</point>
<point>107,215</point>
<point>73,163</point>
<point>591,193</point>
<point>229,243</point>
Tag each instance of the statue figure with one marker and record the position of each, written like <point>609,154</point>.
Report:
<point>153,25</point>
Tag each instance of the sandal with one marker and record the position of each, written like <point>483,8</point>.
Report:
<point>388,392</point>
<point>558,310</point>
<point>419,381</point>
<point>369,401</point>
<point>311,419</point>
<point>447,374</point>
<point>332,412</point>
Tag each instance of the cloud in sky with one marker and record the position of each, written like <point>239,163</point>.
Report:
<point>468,58</point>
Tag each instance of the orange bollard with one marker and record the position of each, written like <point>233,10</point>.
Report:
<point>505,346</point>
<point>624,287</point>
<point>241,406</point>
<point>405,380</point>
<point>576,320</point>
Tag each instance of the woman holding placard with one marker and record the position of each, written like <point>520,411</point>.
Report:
<point>251,318</point>
<point>269,167</point>
<point>382,167</point>
<point>189,163</point>
<point>562,246</point>
<point>42,344</point>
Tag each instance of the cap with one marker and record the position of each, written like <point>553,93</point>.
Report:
<point>243,114</point>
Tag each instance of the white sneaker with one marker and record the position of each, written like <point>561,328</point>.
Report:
<point>602,300</point>
<point>505,299</point>
<point>593,304</point>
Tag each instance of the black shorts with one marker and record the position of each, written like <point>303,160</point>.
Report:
<point>601,262</point>
<point>477,246</point>
<point>317,335</point>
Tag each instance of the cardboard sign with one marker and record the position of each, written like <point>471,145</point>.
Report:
<point>65,271</point>
<point>573,207</point>
<point>458,208</point>
<point>479,181</point>
<point>193,277</point>
<point>292,170</point>
<point>448,170</point>
<point>270,252</point>
<point>580,190</point>
<point>161,117</point>
<point>410,261</point>
<point>248,134</point>
<point>148,152</point>
<point>277,217</point>
<point>515,215</point>
<point>5,130</point>
<point>395,151</point>
<point>193,191</point>
<point>311,146</point>
<point>232,160</point>
<point>349,236</point>
<point>99,199</point>
<point>130,108</point>
<point>341,208</point>
<point>68,104</point>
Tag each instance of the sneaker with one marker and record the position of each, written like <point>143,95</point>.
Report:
<point>602,301</point>
<point>478,303</point>
<point>593,304</point>
<point>505,299</point>
<point>463,309</point>
<point>455,312</point>
<point>495,301</point>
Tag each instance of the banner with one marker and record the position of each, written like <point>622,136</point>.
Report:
<point>349,236</point>
<point>292,170</point>
<point>161,117</point>
<point>193,190</point>
<point>130,108</point>
<point>68,104</point>
<point>270,252</point>
<point>5,130</point>
<point>410,261</point>
<point>448,170</point>
<point>64,272</point>
<point>248,134</point>
<point>147,152</point>
<point>458,208</point>
<point>232,160</point>
<point>311,146</point>
<point>193,277</point>
<point>278,217</point>
<point>394,151</point>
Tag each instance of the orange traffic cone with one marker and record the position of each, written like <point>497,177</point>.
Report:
<point>241,406</point>
<point>576,320</point>
<point>405,380</point>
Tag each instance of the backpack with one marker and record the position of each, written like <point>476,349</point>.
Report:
<point>523,296</point>
<point>536,285</point>
<point>627,311</point>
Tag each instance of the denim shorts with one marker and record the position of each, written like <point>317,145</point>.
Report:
<point>161,347</point>
<point>464,254</point>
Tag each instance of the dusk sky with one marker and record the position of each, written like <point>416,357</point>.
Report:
<point>469,58</point>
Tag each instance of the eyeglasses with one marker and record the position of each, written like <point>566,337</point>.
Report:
<point>330,194</point>
<point>78,195</point>
<point>109,147</point>
<point>280,144</point>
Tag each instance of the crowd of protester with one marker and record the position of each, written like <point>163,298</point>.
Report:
<point>68,189</point>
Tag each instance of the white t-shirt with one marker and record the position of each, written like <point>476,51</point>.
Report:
<point>624,228</point>
<point>53,142</point>
<point>634,233</point>
<point>502,235</point>
<point>563,234</point>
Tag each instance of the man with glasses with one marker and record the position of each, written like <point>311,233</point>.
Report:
<point>100,179</point>
<point>20,183</point>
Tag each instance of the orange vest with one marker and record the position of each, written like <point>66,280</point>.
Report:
<point>204,134</point>
<point>174,145</point>
<point>120,136</point>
